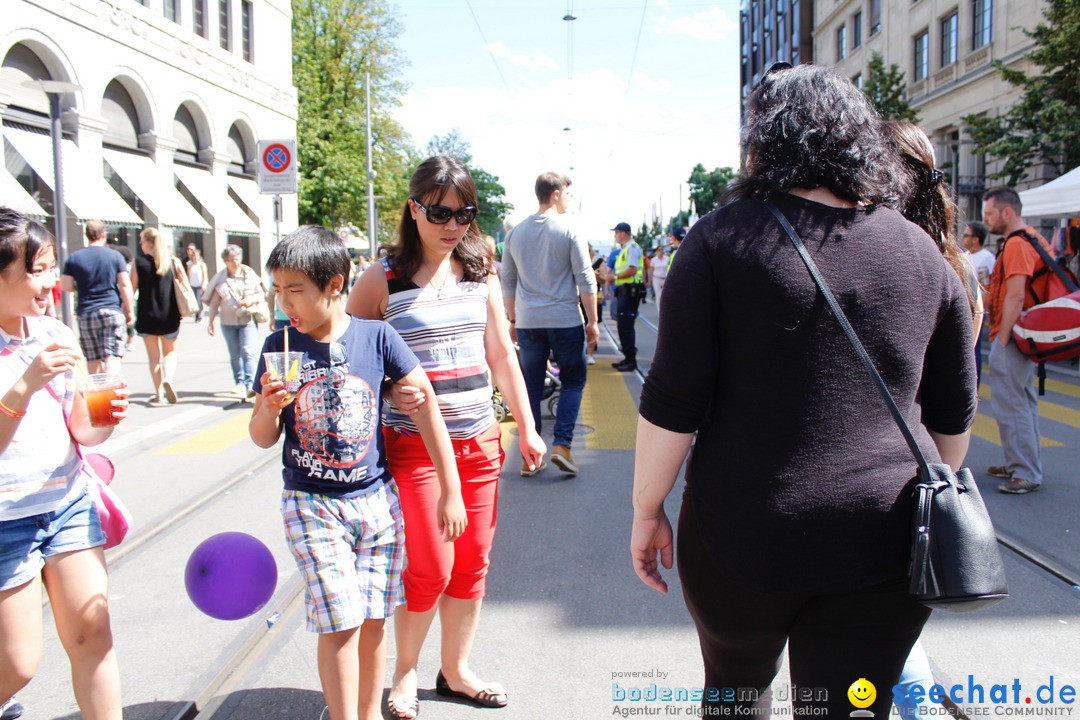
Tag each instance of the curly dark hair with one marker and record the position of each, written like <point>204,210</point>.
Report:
<point>21,239</point>
<point>428,185</point>
<point>928,202</point>
<point>808,127</point>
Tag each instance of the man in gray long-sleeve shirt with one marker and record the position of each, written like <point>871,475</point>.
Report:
<point>545,269</point>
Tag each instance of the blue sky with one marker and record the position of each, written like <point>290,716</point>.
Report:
<point>637,124</point>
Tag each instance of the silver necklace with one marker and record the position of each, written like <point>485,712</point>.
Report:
<point>446,277</point>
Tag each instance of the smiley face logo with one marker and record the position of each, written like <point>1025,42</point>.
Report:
<point>862,694</point>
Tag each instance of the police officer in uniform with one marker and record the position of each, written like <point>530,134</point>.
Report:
<point>629,290</point>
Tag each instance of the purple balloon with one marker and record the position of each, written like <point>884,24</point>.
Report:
<point>230,576</point>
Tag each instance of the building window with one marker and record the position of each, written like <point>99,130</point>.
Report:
<point>781,36</point>
<point>172,10</point>
<point>841,42</point>
<point>949,39</point>
<point>225,24</point>
<point>857,81</point>
<point>198,17</point>
<point>983,19</point>
<point>922,56</point>
<point>247,23</point>
<point>875,16</point>
<point>856,30</point>
<point>796,33</point>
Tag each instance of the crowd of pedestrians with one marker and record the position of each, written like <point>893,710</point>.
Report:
<point>392,454</point>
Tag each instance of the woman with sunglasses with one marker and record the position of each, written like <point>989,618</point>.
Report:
<point>438,290</point>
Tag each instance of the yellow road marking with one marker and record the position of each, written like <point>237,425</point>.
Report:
<point>986,427</point>
<point>212,440</point>
<point>608,407</point>
<point>1050,411</point>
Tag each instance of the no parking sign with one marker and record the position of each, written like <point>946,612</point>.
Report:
<point>277,167</point>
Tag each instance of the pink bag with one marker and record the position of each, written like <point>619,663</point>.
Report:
<point>115,517</point>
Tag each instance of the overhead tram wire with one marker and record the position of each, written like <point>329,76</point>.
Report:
<point>487,45</point>
<point>637,44</point>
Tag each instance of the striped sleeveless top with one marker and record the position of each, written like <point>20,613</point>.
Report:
<point>447,335</point>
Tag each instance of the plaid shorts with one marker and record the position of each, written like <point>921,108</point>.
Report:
<point>351,552</point>
<point>103,333</point>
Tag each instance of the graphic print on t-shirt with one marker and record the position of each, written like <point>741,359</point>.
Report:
<point>336,420</point>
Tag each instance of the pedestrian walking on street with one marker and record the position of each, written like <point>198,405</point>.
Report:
<point>198,274</point>
<point>629,290</point>
<point>234,292</point>
<point>798,462</point>
<point>343,518</point>
<point>1012,374</point>
<point>658,273</point>
<point>547,278</point>
<point>928,203</point>
<point>974,239</point>
<point>439,290</point>
<point>100,276</point>
<point>50,531</point>
<point>157,316</point>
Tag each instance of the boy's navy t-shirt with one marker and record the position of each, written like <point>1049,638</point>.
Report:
<point>94,270</point>
<point>333,442</point>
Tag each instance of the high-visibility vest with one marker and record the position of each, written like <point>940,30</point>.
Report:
<point>623,261</point>
<point>671,256</point>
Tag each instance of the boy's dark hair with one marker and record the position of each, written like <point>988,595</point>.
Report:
<point>21,237</point>
<point>809,126</point>
<point>314,251</point>
<point>548,183</point>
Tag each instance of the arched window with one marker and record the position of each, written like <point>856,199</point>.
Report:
<point>119,112</point>
<point>239,152</point>
<point>22,64</point>
<point>186,134</point>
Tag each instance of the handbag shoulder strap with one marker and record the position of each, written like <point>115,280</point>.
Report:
<point>897,416</point>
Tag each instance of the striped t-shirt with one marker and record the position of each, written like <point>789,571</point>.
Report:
<point>446,331</point>
<point>40,469</point>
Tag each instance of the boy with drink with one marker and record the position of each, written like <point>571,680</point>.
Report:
<point>340,505</point>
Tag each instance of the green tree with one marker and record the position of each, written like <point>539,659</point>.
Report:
<point>1043,127</point>
<point>335,42</point>
<point>706,186</point>
<point>887,90</point>
<point>493,207</point>
<point>648,235</point>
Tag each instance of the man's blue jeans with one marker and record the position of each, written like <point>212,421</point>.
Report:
<point>568,346</point>
<point>243,344</point>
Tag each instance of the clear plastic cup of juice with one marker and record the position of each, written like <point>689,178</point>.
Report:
<point>99,396</point>
<point>285,368</point>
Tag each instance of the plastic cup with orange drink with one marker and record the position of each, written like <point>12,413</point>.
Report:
<point>100,392</point>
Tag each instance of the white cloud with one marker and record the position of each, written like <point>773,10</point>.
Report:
<point>625,154</point>
<point>536,61</point>
<point>712,24</point>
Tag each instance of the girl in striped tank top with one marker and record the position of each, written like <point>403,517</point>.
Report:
<point>438,290</point>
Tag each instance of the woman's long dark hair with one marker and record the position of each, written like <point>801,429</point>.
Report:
<point>428,185</point>
<point>928,203</point>
<point>21,239</point>
<point>809,126</point>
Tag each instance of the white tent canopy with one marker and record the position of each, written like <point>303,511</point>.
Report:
<point>1057,197</point>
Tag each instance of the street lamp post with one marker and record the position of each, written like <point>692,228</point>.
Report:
<point>54,89</point>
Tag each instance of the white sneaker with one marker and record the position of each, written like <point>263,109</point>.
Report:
<point>240,390</point>
<point>11,709</point>
<point>590,360</point>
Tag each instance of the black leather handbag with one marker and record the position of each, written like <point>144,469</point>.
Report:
<point>955,560</point>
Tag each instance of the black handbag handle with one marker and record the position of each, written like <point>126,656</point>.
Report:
<point>850,332</point>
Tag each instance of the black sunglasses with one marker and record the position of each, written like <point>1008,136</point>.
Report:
<point>440,214</point>
<point>775,68</point>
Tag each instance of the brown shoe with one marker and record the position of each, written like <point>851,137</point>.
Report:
<point>560,458</point>
<point>526,472</point>
<point>1018,486</point>
<point>999,471</point>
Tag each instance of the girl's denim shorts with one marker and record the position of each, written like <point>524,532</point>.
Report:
<point>25,543</point>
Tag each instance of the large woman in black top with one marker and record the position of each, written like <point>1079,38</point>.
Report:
<point>795,522</point>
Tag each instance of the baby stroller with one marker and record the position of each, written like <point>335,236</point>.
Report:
<point>552,386</point>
